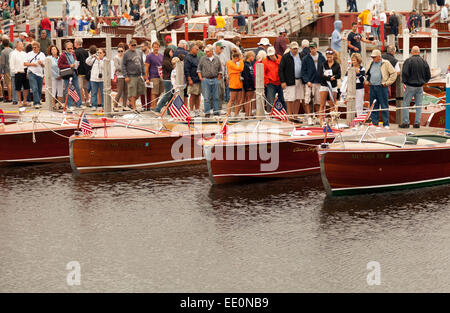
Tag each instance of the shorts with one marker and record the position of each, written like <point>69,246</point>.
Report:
<point>241,29</point>
<point>57,87</point>
<point>323,88</point>
<point>367,28</point>
<point>312,92</point>
<point>235,90</point>
<point>431,1</point>
<point>195,89</point>
<point>158,87</point>
<point>7,79</point>
<point>21,80</point>
<point>136,87</point>
<point>83,81</point>
<point>295,92</point>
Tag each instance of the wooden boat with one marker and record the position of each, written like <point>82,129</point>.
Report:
<point>44,139</point>
<point>373,159</point>
<point>263,149</point>
<point>123,147</point>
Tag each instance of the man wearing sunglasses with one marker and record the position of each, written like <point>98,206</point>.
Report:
<point>134,71</point>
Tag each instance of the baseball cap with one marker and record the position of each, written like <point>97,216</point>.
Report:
<point>219,44</point>
<point>220,34</point>
<point>270,51</point>
<point>168,39</point>
<point>283,30</point>
<point>313,44</point>
<point>376,53</point>
<point>264,41</point>
<point>294,45</point>
<point>24,34</point>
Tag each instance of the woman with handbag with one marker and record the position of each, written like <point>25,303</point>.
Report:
<point>68,64</point>
<point>96,61</point>
<point>57,82</point>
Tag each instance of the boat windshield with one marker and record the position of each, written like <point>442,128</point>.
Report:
<point>263,126</point>
<point>374,134</point>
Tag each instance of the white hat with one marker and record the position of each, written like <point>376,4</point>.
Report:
<point>220,34</point>
<point>270,51</point>
<point>282,30</point>
<point>376,53</point>
<point>23,34</point>
<point>264,41</point>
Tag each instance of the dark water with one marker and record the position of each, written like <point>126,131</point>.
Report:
<point>169,231</point>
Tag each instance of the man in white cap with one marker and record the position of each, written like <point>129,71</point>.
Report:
<point>263,44</point>
<point>271,77</point>
<point>380,75</point>
<point>281,43</point>
<point>22,38</point>
<point>290,72</point>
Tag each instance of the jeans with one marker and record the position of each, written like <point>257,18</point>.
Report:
<point>417,93</point>
<point>210,89</point>
<point>104,9</point>
<point>251,6</point>
<point>272,90</point>
<point>94,93</point>
<point>166,97</point>
<point>380,94</point>
<point>77,89</point>
<point>36,87</point>
<point>353,7</point>
<point>13,86</point>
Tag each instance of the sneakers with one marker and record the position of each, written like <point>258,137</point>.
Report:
<point>386,127</point>
<point>310,121</point>
<point>403,125</point>
<point>126,109</point>
<point>37,106</point>
<point>83,107</point>
<point>416,125</point>
<point>116,109</point>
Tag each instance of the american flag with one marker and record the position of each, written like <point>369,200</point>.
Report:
<point>224,128</point>
<point>278,111</point>
<point>85,126</point>
<point>179,110</point>
<point>360,119</point>
<point>73,93</point>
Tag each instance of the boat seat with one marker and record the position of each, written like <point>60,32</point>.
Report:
<point>434,138</point>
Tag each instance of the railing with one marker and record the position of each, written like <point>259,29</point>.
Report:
<point>157,20</point>
<point>118,30</point>
<point>292,15</point>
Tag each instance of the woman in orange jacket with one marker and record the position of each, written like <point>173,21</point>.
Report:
<point>235,67</point>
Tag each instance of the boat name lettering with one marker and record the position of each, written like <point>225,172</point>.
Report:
<point>129,145</point>
<point>307,149</point>
<point>370,156</point>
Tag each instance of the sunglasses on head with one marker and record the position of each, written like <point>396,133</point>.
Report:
<point>329,52</point>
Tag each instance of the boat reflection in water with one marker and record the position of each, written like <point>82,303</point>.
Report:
<point>264,149</point>
<point>373,159</point>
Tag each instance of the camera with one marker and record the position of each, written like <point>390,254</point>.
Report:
<point>100,75</point>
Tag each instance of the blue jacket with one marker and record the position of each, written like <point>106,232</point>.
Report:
<point>190,67</point>
<point>309,72</point>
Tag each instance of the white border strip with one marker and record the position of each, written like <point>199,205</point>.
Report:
<point>35,159</point>
<point>137,165</point>
<point>269,173</point>
<point>393,185</point>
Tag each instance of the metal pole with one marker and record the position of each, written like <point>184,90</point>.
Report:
<point>399,94</point>
<point>260,90</point>
<point>153,36</point>
<point>434,48</point>
<point>447,108</point>
<point>173,34</point>
<point>108,46</point>
<point>107,86</point>
<point>180,79</point>
<point>129,37</point>
<point>250,25</point>
<point>351,94</point>
<point>336,10</point>
<point>48,84</point>
<point>405,44</point>
<point>364,53</point>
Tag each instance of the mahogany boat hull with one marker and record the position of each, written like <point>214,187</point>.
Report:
<point>349,172</point>
<point>48,147</point>
<point>90,154</point>
<point>293,159</point>
<point>428,119</point>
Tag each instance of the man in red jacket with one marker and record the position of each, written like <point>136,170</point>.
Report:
<point>271,78</point>
<point>46,25</point>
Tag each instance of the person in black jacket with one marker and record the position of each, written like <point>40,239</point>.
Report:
<point>415,74</point>
<point>310,76</point>
<point>194,88</point>
<point>248,74</point>
<point>290,73</point>
<point>82,70</point>
<point>329,73</point>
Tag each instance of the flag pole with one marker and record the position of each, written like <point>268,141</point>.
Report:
<point>168,105</point>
